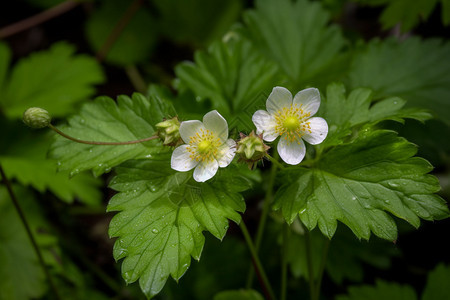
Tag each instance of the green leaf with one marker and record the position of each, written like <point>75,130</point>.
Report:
<point>417,72</point>
<point>406,13</point>
<point>185,21</point>
<point>21,276</point>
<point>359,108</point>
<point>239,295</point>
<point>105,121</point>
<point>358,183</point>
<point>381,290</point>
<point>162,216</point>
<point>24,158</point>
<point>233,76</point>
<point>134,44</point>
<point>437,284</point>
<point>54,79</point>
<point>298,37</point>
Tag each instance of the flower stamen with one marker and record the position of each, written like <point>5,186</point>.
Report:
<point>291,122</point>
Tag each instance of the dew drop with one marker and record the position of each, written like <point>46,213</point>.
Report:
<point>354,198</point>
<point>387,201</point>
<point>58,163</point>
<point>393,185</point>
<point>155,231</point>
<point>302,211</point>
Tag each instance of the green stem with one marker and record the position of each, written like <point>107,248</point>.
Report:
<point>118,29</point>
<point>257,263</point>
<point>275,161</point>
<point>29,232</point>
<point>284,264</point>
<point>312,289</point>
<point>323,263</point>
<point>100,143</point>
<point>136,79</point>
<point>264,214</point>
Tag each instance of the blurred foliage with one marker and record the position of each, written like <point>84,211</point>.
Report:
<point>408,14</point>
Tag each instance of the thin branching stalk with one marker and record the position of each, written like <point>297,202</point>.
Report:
<point>29,232</point>
<point>312,289</point>
<point>38,19</point>
<point>264,214</point>
<point>118,29</point>
<point>284,263</point>
<point>257,263</point>
<point>323,263</point>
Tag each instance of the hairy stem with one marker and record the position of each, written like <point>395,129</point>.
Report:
<point>38,19</point>
<point>323,263</point>
<point>29,232</point>
<point>264,214</point>
<point>312,290</point>
<point>100,143</point>
<point>284,264</point>
<point>136,79</point>
<point>268,291</point>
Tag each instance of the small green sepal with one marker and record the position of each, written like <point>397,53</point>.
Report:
<point>169,132</point>
<point>251,149</point>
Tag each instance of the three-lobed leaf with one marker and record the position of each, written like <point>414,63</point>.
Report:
<point>233,75</point>
<point>162,214</point>
<point>297,36</point>
<point>107,121</point>
<point>358,183</point>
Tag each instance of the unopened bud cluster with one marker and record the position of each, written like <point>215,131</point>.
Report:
<point>251,148</point>
<point>36,117</point>
<point>169,131</point>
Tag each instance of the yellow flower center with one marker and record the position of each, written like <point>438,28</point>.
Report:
<point>203,146</point>
<point>292,122</point>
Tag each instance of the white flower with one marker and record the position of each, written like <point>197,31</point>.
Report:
<point>291,119</point>
<point>206,147</point>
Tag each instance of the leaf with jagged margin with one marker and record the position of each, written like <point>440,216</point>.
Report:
<point>107,121</point>
<point>233,75</point>
<point>162,214</point>
<point>358,183</point>
<point>344,113</point>
<point>56,79</point>
<point>418,72</point>
<point>23,156</point>
<point>298,37</point>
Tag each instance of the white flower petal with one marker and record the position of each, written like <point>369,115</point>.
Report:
<point>291,152</point>
<point>265,124</point>
<point>205,170</point>
<point>190,128</point>
<point>319,131</point>
<point>279,98</point>
<point>181,161</point>
<point>226,153</point>
<point>217,124</point>
<point>309,99</point>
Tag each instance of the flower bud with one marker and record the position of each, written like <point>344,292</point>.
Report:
<point>36,117</point>
<point>169,131</point>
<point>251,149</point>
